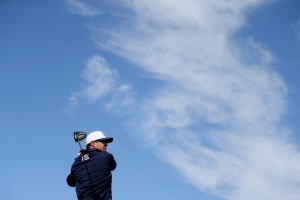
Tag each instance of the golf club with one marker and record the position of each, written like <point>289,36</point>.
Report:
<point>79,136</point>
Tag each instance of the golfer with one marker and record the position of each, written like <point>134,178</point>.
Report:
<point>91,170</point>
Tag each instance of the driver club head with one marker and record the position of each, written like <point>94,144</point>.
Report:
<point>79,136</point>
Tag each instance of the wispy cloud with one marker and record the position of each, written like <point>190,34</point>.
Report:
<point>101,79</point>
<point>217,118</point>
<point>81,8</point>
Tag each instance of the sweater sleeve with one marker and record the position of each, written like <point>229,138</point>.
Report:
<point>111,162</point>
<point>71,180</point>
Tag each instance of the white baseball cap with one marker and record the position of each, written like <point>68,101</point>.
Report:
<point>97,135</point>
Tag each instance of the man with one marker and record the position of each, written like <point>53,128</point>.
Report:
<point>91,170</point>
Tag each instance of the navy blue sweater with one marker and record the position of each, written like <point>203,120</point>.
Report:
<point>92,176</point>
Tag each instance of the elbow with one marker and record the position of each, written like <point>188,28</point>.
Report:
<point>71,182</point>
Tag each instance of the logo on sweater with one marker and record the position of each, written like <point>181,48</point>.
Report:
<point>85,157</point>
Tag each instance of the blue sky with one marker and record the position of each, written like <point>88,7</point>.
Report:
<point>201,97</point>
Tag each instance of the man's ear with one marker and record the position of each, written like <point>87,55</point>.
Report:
<point>92,144</point>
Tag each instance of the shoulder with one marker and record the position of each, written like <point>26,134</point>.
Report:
<point>108,155</point>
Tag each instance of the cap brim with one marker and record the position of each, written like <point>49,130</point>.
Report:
<point>107,140</point>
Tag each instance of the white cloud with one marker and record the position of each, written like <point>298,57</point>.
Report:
<point>217,119</point>
<point>100,76</point>
<point>81,8</point>
<point>239,167</point>
<point>100,80</point>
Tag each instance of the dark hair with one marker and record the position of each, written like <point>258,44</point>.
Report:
<point>88,145</point>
